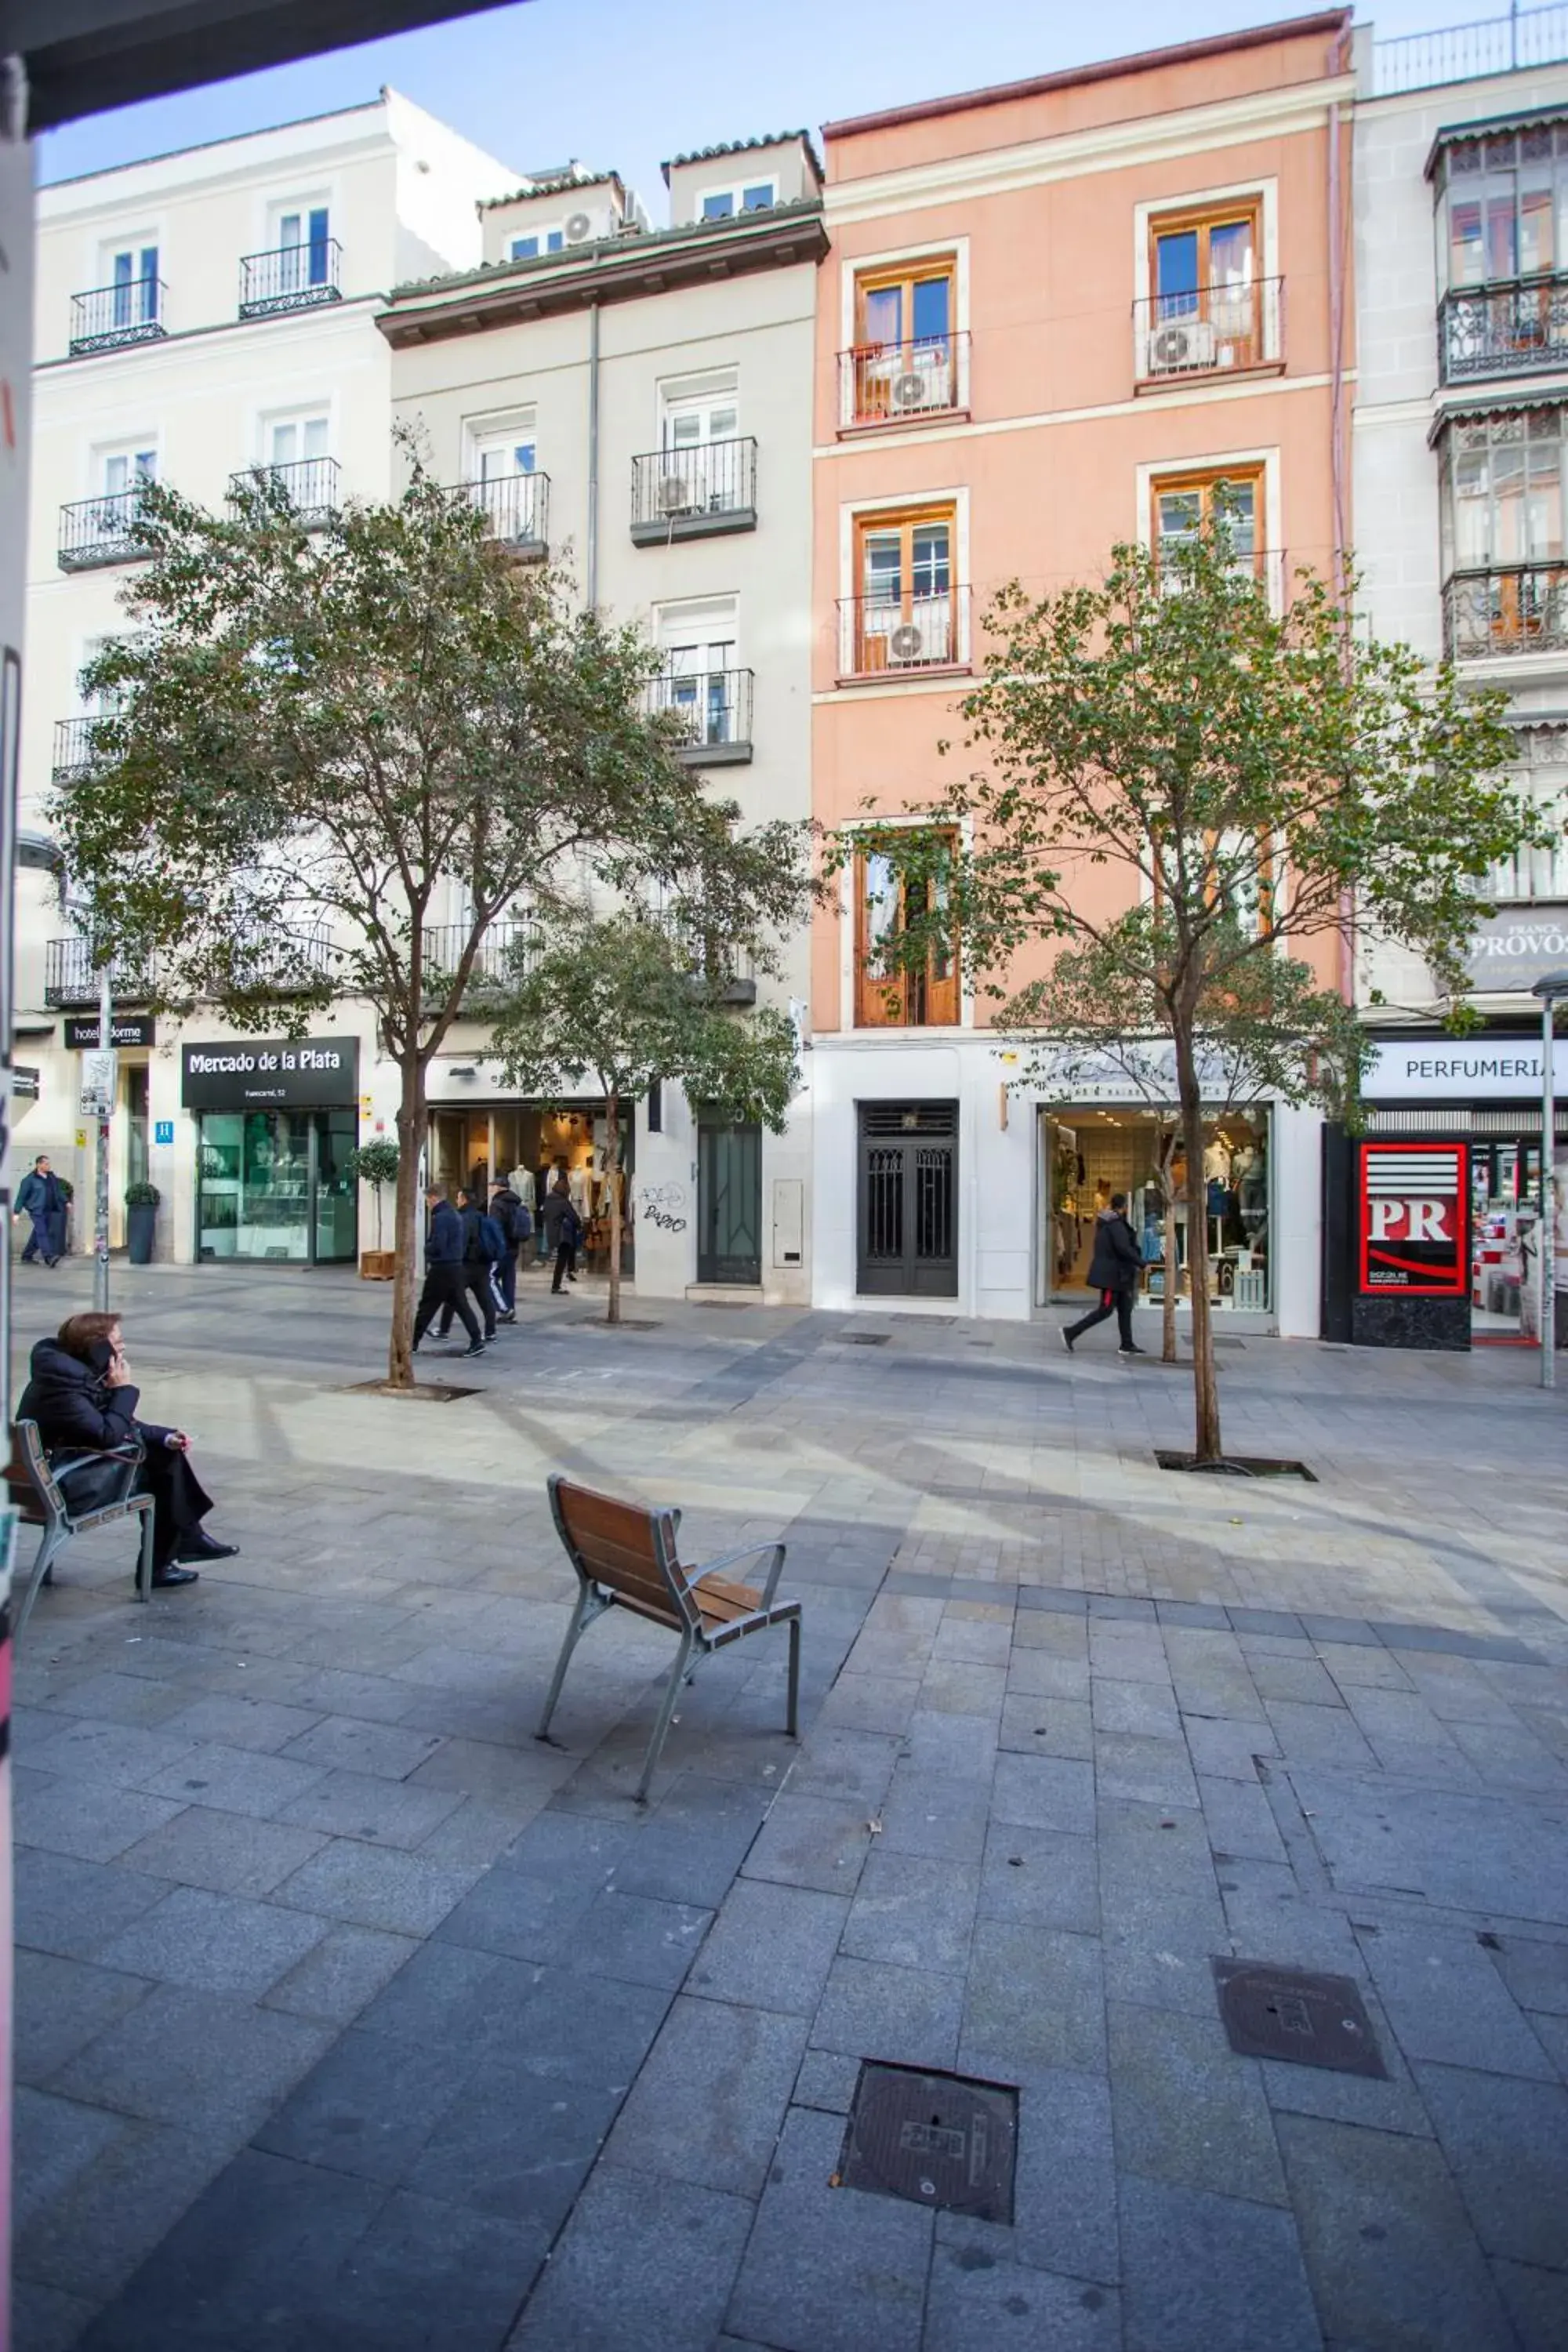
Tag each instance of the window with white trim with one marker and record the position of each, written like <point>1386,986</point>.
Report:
<point>129,266</point>
<point>699,674</point>
<point>747,196</point>
<point>538,241</point>
<point>299,234</point>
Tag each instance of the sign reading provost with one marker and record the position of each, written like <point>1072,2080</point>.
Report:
<point>1513,948</point>
<point>1414,1213</point>
<point>270,1073</point>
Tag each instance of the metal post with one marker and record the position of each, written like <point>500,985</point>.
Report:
<point>100,1225</point>
<point>1553,990</point>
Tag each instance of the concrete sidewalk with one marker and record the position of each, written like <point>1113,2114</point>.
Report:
<point>352,2017</point>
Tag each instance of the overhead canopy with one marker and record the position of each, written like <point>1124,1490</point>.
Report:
<point>83,55</point>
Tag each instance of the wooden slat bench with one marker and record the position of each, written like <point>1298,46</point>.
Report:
<point>38,1492</point>
<point>626,1558</point>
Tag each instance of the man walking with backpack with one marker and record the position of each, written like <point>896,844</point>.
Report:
<point>1112,1271</point>
<point>516,1226</point>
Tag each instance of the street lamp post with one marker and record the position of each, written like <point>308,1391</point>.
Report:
<point>101,1222</point>
<point>1551,990</point>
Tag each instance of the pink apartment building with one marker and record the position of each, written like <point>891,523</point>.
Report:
<point>1054,315</point>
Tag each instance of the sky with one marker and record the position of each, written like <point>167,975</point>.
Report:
<point>624,84</point>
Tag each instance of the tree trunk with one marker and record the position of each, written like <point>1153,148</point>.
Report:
<point>405,1223</point>
<point>376,1188</point>
<point>1206,1391</point>
<point>613,1187</point>
<point>1168,1319</point>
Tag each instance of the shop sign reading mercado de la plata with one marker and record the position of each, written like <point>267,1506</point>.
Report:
<point>270,1073</point>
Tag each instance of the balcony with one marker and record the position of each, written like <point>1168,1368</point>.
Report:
<point>102,531</point>
<point>290,278</point>
<point>74,755</point>
<point>275,963</point>
<point>1511,608</point>
<point>884,637</point>
<point>505,947</point>
<point>694,493</point>
<point>1212,330</point>
<point>903,383</point>
<point>516,508</point>
<point>714,708</point>
<point>1519,328</point>
<point>111,317</point>
<point>310,484</point>
<point>71,977</point>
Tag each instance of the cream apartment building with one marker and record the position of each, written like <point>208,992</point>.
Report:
<point>635,403</point>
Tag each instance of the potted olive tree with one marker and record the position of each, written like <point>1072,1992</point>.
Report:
<point>142,1220</point>
<point>375,1164</point>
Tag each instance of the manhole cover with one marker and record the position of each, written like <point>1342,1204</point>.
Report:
<point>1296,2014</point>
<point>935,2139</point>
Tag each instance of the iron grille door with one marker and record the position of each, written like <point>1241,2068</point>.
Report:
<point>908,1201</point>
<point>729,1202</point>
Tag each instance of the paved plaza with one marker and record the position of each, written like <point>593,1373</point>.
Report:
<point>353,2019</point>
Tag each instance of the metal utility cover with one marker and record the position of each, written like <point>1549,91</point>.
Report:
<point>934,2139</point>
<point>1297,2015</point>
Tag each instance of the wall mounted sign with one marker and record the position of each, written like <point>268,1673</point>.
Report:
<point>124,1029</point>
<point>164,1130</point>
<point>270,1073</point>
<point>1413,1204</point>
<point>1513,948</point>
<point>1462,1070</point>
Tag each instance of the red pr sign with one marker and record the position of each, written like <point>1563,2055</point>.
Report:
<point>1413,1202</point>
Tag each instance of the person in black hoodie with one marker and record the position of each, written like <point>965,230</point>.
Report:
<point>482,1245</point>
<point>1112,1271</point>
<point>516,1225</point>
<point>445,1285</point>
<point>80,1395</point>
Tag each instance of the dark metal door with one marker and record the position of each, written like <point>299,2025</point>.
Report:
<point>908,1223</point>
<point>729,1202</point>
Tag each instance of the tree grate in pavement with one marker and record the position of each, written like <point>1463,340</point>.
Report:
<point>934,2139</point>
<point>1295,2014</point>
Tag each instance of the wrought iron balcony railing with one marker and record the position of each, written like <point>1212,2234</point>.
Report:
<point>71,977</point>
<point>516,508</point>
<point>897,383</point>
<point>102,531</point>
<point>1516,328</point>
<point>75,755</point>
<point>290,278</point>
<point>1525,37</point>
<point>311,485</point>
<point>279,964</point>
<point>1507,608</point>
<point>504,952</point>
<point>714,707</point>
<point>888,636</point>
<point>113,316</point>
<point>693,493</point>
<point>1212,330</point>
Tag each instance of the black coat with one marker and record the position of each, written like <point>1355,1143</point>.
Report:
<point>1115,1262</point>
<point>74,1408</point>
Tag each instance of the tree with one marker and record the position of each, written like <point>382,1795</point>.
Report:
<point>321,744</point>
<point>627,1001</point>
<point>375,1164</point>
<point>1250,777</point>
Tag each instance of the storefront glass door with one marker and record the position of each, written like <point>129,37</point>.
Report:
<point>272,1186</point>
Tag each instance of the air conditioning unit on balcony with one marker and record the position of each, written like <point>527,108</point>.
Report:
<point>676,496</point>
<point>910,390</point>
<point>906,643</point>
<point>579,227</point>
<point>1179,345</point>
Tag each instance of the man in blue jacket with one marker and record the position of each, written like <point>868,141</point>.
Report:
<point>482,1245</point>
<point>445,1279</point>
<point>38,1196</point>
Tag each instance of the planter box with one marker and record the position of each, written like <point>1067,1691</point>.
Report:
<point>140,1230</point>
<point>377,1265</point>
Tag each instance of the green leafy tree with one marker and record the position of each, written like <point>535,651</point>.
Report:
<point>375,1164</point>
<point>624,1003</point>
<point>318,740</point>
<point>1256,781</point>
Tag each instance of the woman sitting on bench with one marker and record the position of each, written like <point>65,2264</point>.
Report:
<point>81,1397</point>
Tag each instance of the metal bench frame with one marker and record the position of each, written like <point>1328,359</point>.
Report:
<point>59,1522</point>
<point>658,1587</point>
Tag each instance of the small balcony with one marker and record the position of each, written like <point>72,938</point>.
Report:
<point>888,638</point>
<point>111,317</point>
<point>694,493</point>
<point>1509,608</point>
<point>310,484</point>
<point>71,977</point>
<point>714,708</point>
<point>74,755</point>
<point>102,531</point>
<point>516,509</point>
<point>1519,328</point>
<point>902,383</point>
<point>276,963</point>
<point>1212,330</point>
<point>504,952</point>
<point>290,278</point>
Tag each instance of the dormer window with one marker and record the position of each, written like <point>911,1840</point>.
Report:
<point>724,204</point>
<point>544,240</point>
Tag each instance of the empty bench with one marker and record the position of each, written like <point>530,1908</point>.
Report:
<point>40,1492</point>
<point>626,1558</point>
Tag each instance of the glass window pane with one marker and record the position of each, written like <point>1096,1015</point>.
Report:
<point>555,241</point>
<point>757,199</point>
<point>1535,229</point>
<point>881,909</point>
<point>316,429</point>
<point>931,569</point>
<point>524,248</point>
<point>883,566</point>
<point>1177,272</point>
<point>932,301</point>
<point>1501,251</point>
<point>1231,254</point>
<point>719,207</point>
<point>1467,263</point>
<point>1178,513</point>
<point>722,425</point>
<point>885,314</point>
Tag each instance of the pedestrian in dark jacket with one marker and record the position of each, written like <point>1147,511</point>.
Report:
<point>482,1245</point>
<point>1113,1272</point>
<point>82,1396</point>
<point>446,1285</point>
<point>562,1232</point>
<point>516,1223</point>
<point>40,1196</point>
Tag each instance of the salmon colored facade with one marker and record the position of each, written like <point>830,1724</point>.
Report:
<point>1051,317</point>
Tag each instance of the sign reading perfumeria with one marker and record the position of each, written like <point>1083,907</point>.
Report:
<point>1462,1070</point>
<point>260,1074</point>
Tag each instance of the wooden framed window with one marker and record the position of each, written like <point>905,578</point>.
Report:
<point>905,359</point>
<point>884,996</point>
<point>905,605</point>
<point>1181,504</point>
<point>1206,307</point>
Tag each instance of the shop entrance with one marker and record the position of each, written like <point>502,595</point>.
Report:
<point>729,1202</point>
<point>1222,1219</point>
<point>1505,1217</point>
<point>273,1185</point>
<point>527,1145</point>
<point>908,1206</point>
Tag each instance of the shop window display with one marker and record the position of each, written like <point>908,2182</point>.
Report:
<point>1222,1219</point>
<point>527,1145</point>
